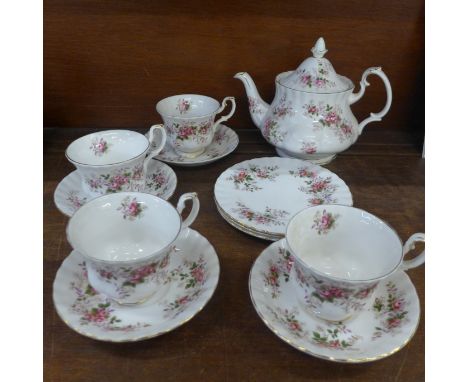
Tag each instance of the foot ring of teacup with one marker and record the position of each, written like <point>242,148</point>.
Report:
<point>189,155</point>
<point>310,310</point>
<point>158,294</point>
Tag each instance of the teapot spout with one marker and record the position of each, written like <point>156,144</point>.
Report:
<point>257,106</point>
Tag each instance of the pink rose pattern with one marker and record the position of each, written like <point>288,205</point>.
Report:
<point>309,148</point>
<point>186,131</point>
<point>120,180</point>
<point>278,270</point>
<point>192,275</point>
<point>219,137</point>
<point>336,336</point>
<point>157,181</point>
<point>321,189</point>
<point>75,200</point>
<point>183,105</point>
<point>324,221</point>
<point>342,294</point>
<point>126,279</point>
<point>330,117</point>
<point>269,217</point>
<point>253,105</point>
<point>288,319</point>
<point>131,208</point>
<point>270,128</point>
<point>331,337</point>
<point>270,131</point>
<point>99,146</point>
<point>390,310</point>
<point>246,178</point>
<point>317,80</point>
<point>95,309</point>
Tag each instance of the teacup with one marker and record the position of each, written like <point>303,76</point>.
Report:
<point>189,121</point>
<point>127,240</point>
<point>114,160</point>
<point>341,253</point>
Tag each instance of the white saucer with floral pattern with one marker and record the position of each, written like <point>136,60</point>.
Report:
<point>381,330</point>
<point>191,279</point>
<point>224,142</point>
<point>262,194</point>
<point>69,195</point>
<point>245,229</point>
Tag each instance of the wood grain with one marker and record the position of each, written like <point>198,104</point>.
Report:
<point>227,341</point>
<point>107,62</point>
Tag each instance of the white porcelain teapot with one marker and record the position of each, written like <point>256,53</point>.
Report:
<point>310,116</point>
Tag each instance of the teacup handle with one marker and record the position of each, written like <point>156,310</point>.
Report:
<point>195,207</point>
<point>409,245</point>
<point>160,129</point>
<point>226,117</point>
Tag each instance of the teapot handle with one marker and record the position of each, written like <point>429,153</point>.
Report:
<point>354,97</point>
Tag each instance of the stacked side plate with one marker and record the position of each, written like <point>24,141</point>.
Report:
<point>259,196</point>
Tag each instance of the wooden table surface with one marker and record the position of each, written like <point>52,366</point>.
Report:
<point>227,341</point>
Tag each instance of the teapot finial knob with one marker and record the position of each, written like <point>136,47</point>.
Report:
<point>319,49</point>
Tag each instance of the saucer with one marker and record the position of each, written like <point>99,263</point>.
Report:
<point>161,181</point>
<point>384,328</point>
<point>224,142</point>
<point>261,195</point>
<point>245,229</point>
<point>191,280</point>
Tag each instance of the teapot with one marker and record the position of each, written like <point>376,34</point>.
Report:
<point>310,116</point>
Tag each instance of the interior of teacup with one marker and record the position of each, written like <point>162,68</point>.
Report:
<point>187,106</point>
<point>107,147</point>
<point>344,242</point>
<point>124,226</point>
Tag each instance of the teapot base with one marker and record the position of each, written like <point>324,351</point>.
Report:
<point>314,158</point>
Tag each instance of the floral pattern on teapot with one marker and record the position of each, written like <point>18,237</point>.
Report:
<point>310,116</point>
<point>317,79</point>
<point>331,117</point>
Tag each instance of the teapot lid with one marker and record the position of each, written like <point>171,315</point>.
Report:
<point>316,74</point>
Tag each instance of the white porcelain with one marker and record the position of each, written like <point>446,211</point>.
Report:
<point>114,160</point>
<point>342,254</point>
<point>224,142</point>
<point>262,194</point>
<point>382,329</point>
<point>69,195</point>
<point>189,282</point>
<point>189,121</point>
<point>310,116</point>
<point>128,240</point>
<point>245,229</point>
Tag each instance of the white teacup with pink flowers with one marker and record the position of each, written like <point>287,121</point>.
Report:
<point>115,160</point>
<point>127,240</point>
<point>341,253</point>
<point>190,121</point>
